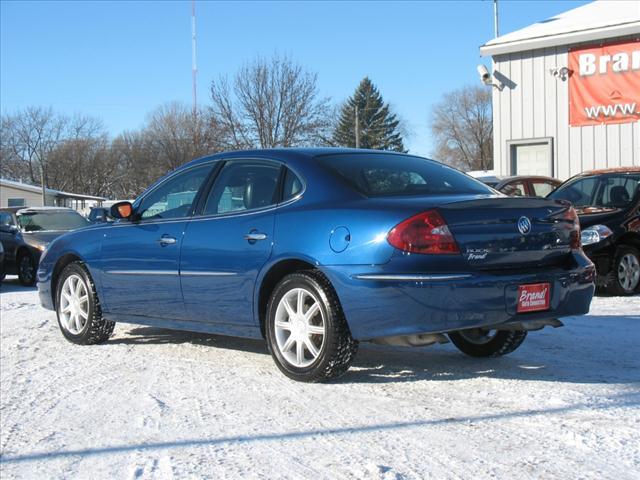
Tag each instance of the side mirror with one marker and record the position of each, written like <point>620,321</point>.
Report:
<point>12,229</point>
<point>121,210</point>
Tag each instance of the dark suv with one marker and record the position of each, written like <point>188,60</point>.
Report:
<point>608,204</point>
<point>26,232</point>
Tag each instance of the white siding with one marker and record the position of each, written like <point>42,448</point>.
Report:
<point>535,104</point>
<point>32,199</point>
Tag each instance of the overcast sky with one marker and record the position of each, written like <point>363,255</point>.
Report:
<point>119,60</point>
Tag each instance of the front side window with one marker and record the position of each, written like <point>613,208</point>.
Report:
<point>6,219</point>
<point>382,175</point>
<point>619,191</point>
<point>603,191</point>
<point>581,192</point>
<point>51,220</point>
<point>174,198</point>
<point>243,185</point>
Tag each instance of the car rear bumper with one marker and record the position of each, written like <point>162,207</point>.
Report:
<point>379,303</point>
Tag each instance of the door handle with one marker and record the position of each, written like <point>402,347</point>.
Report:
<point>166,240</point>
<point>252,237</point>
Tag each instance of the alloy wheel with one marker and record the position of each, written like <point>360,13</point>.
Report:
<point>629,272</point>
<point>73,305</point>
<point>300,327</point>
<point>26,269</point>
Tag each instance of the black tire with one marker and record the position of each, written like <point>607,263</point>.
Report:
<point>494,344</point>
<point>27,269</point>
<point>96,329</point>
<point>338,348</point>
<point>616,286</point>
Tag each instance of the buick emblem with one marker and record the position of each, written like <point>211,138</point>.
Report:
<point>524,225</point>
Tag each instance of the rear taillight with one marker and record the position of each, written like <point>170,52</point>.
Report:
<point>426,232</point>
<point>574,236</point>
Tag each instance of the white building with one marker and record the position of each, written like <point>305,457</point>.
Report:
<point>17,194</point>
<point>566,92</point>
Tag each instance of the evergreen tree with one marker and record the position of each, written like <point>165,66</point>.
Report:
<point>378,127</point>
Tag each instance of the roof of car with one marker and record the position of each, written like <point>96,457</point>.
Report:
<point>601,171</point>
<point>291,152</point>
<point>44,209</point>
<point>529,177</point>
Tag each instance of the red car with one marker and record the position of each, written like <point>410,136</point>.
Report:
<point>523,185</point>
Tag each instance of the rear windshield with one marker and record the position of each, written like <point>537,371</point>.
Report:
<point>42,221</point>
<point>611,190</point>
<point>382,175</point>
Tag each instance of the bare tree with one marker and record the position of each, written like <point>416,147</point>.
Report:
<point>463,128</point>
<point>28,137</point>
<point>270,103</point>
<point>177,135</point>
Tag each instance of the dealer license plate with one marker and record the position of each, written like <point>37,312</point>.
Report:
<point>534,297</point>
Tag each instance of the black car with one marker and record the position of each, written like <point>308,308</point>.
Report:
<point>26,232</point>
<point>100,215</point>
<point>608,205</point>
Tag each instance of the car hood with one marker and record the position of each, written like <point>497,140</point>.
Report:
<point>42,238</point>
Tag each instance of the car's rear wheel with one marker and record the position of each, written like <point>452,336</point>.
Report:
<point>479,342</point>
<point>626,271</point>
<point>306,330</point>
<point>78,309</point>
<point>27,269</point>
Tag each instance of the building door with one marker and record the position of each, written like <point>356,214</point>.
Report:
<point>532,158</point>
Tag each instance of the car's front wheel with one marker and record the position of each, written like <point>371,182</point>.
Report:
<point>626,271</point>
<point>27,269</point>
<point>478,342</point>
<point>78,309</point>
<point>307,333</point>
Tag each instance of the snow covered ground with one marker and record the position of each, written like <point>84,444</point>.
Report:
<point>159,404</point>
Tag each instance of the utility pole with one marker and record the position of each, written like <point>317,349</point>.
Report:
<point>44,189</point>
<point>194,69</point>
<point>357,127</point>
<point>496,31</point>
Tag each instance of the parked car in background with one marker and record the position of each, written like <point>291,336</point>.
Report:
<point>521,185</point>
<point>100,215</point>
<point>608,204</point>
<point>527,186</point>
<point>318,249</point>
<point>26,232</point>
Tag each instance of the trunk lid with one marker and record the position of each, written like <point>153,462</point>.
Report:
<point>510,232</point>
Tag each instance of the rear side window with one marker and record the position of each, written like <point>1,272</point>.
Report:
<point>243,186</point>
<point>542,189</point>
<point>515,189</point>
<point>380,175</point>
<point>292,185</point>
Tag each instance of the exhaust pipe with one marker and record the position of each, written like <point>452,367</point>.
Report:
<point>528,325</point>
<point>419,340</point>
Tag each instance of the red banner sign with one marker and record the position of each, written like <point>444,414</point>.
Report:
<point>604,84</point>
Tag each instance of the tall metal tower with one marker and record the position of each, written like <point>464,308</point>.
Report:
<point>194,68</point>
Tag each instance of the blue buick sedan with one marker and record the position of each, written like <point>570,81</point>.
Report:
<point>316,250</point>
